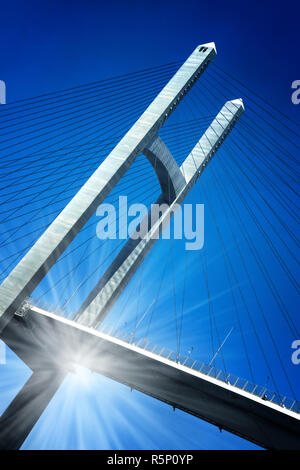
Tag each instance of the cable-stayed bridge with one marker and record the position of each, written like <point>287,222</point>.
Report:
<point>52,186</point>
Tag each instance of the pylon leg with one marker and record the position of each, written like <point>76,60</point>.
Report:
<point>24,411</point>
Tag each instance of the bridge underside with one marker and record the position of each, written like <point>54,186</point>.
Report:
<point>45,341</point>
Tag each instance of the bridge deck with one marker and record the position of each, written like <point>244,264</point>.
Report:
<point>47,341</point>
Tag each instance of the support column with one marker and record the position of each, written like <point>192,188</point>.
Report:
<point>117,276</point>
<point>43,255</point>
<point>24,411</point>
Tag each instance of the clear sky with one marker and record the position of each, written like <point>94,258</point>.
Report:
<point>51,45</point>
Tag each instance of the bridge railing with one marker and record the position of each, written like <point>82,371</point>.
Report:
<point>207,369</point>
<point>186,360</point>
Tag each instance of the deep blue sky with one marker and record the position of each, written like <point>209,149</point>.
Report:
<point>51,45</point>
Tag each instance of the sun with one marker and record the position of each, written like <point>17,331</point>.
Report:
<point>81,375</point>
